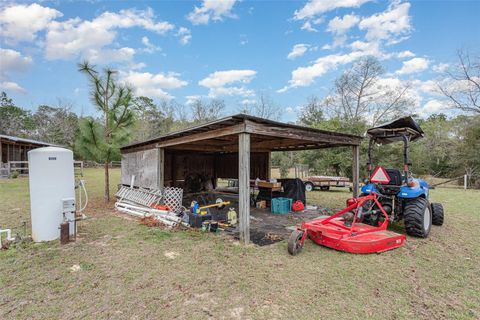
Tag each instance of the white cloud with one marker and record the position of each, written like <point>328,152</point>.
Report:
<point>153,85</point>
<point>211,10</point>
<point>413,65</point>
<point>12,61</point>
<point>388,25</point>
<point>23,22</point>
<point>316,7</point>
<point>243,39</point>
<point>405,54</point>
<point>247,102</point>
<point>339,27</point>
<point>433,106</point>
<point>74,37</point>
<point>228,82</point>
<point>305,76</point>
<point>104,56</point>
<point>440,67</point>
<point>185,35</point>
<point>342,25</point>
<point>11,86</point>
<point>149,47</point>
<point>192,99</point>
<point>298,50</point>
<point>309,24</point>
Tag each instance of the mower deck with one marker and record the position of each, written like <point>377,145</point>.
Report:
<point>362,238</point>
<point>355,237</point>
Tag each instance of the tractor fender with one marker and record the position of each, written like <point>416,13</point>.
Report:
<point>419,190</point>
<point>369,188</point>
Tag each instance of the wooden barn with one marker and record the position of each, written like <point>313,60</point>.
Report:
<point>235,147</point>
<point>13,152</point>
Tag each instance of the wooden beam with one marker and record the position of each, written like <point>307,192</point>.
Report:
<point>355,169</point>
<point>235,129</point>
<point>244,187</point>
<point>296,133</point>
<point>161,168</point>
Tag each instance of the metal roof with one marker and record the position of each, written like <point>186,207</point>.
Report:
<point>24,140</point>
<point>394,131</point>
<point>235,120</point>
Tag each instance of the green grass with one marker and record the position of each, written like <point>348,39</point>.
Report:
<point>15,200</point>
<point>131,271</point>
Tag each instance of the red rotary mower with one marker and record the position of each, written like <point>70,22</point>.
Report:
<point>349,234</point>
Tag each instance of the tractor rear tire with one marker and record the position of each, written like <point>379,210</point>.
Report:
<point>437,214</point>
<point>294,242</point>
<point>418,217</point>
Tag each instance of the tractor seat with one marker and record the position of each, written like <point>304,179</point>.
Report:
<point>395,177</point>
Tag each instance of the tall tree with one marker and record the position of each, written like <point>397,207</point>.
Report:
<point>461,85</point>
<point>203,112</point>
<point>313,112</point>
<point>101,140</point>
<point>58,125</point>
<point>14,120</point>
<point>150,120</point>
<point>362,95</point>
<point>263,107</point>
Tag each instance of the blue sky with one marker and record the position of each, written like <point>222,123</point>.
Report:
<point>232,50</point>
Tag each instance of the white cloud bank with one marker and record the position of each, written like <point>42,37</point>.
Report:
<point>390,26</point>
<point>22,22</point>
<point>87,39</point>
<point>413,66</point>
<point>153,85</point>
<point>211,10</point>
<point>315,7</point>
<point>228,83</point>
<point>12,61</point>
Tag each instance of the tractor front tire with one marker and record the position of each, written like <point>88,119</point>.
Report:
<point>437,214</point>
<point>295,245</point>
<point>418,217</point>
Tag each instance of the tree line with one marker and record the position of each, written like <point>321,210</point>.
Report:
<point>359,98</point>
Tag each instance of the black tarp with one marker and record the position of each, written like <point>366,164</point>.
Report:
<point>293,189</point>
<point>393,131</point>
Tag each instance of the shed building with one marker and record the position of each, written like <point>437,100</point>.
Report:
<point>13,153</point>
<point>234,147</point>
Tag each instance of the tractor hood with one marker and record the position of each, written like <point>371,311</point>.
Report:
<point>395,130</point>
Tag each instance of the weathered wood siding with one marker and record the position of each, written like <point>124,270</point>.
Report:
<point>143,164</point>
<point>178,164</point>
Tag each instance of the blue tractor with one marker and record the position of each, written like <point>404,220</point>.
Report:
<point>402,196</point>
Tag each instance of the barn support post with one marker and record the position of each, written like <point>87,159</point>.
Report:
<point>244,186</point>
<point>269,165</point>
<point>355,169</point>
<point>161,168</point>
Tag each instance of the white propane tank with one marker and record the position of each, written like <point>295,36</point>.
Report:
<point>52,184</point>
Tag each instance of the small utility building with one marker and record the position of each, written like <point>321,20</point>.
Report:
<point>16,149</point>
<point>235,147</point>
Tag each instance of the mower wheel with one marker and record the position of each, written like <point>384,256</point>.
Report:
<point>418,217</point>
<point>294,242</point>
<point>437,214</point>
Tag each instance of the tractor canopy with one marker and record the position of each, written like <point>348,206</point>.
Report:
<point>395,131</point>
